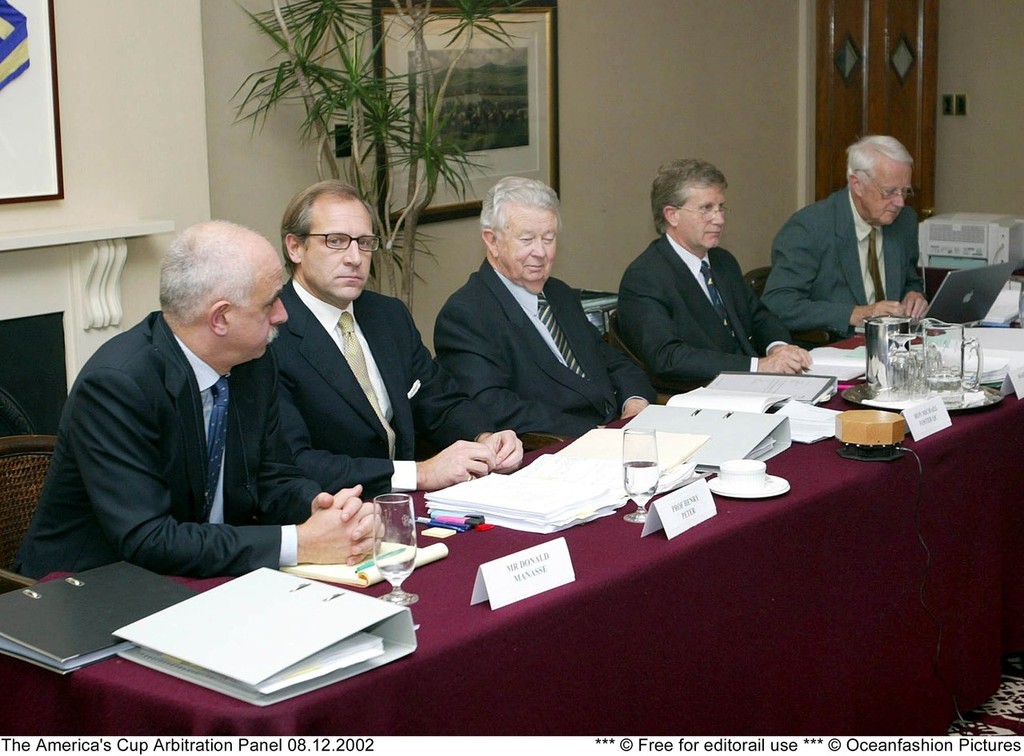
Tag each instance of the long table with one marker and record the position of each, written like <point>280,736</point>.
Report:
<point>864,601</point>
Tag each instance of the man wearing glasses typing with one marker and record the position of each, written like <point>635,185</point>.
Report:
<point>356,382</point>
<point>684,307</point>
<point>854,254</point>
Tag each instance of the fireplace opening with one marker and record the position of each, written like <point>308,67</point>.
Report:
<point>33,376</point>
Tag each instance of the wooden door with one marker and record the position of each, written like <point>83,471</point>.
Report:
<point>876,74</point>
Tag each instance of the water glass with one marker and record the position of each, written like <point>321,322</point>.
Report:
<point>640,471</point>
<point>394,551</point>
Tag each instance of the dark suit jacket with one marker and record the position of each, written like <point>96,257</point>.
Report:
<point>667,320</point>
<point>127,479</point>
<point>332,431</point>
<point>816,278</point>
<point>483,337</point>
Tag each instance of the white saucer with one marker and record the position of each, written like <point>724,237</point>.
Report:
<point>773,486</point>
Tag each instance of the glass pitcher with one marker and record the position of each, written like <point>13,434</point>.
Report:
<point>952,362</point>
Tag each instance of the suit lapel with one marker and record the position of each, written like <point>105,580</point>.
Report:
<point>377,330</point>
<point>537,349</point>
<point>181,387</point>
<point>324,357</point>
<point>698,304</point>
<point>848,248</point>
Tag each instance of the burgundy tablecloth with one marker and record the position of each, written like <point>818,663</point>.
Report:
<point>849,605</point>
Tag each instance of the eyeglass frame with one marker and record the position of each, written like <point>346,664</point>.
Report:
<point>357,239</point>
<point>887,194</point>
<point>706,214</point>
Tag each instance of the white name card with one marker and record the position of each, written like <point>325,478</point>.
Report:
<point>523,574</point>
<point>1015,377</point>
<point>927,418</point>
<point>680,510</point>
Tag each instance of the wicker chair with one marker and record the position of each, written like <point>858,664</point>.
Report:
<point>24,461</point>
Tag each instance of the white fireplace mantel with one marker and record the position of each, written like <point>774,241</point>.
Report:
<point>74,270</point>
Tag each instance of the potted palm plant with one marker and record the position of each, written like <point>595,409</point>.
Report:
<point>369,124</point>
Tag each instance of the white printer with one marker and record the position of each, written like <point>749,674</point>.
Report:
<point>969,240</point>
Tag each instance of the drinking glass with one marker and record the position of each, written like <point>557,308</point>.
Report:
<point>640,470</point>
<point>394,551</point>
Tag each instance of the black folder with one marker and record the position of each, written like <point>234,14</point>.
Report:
<point>66,623</point>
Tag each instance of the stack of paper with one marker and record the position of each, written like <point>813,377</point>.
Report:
<point>727,400</point>
<point>808,423</point>
<point>844,364</point>
<point>553,493</point>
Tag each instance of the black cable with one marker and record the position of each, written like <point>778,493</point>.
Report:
<point>936,620</point>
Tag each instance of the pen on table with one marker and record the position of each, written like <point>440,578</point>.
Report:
<point>370,562</point>
<point>440,524</point>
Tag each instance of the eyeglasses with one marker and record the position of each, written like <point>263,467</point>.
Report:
<point>887,194</point>
<point>366,243</point>
<point>707,212</point>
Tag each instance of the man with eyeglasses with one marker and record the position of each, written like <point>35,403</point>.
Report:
<point>854,254</point>
<point>684,307</point>
<point>357,384</point>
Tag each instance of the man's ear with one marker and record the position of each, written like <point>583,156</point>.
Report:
<point>217,317</point>
<point>490,241</point>
<point>671,214</point>
<point>294,247</point>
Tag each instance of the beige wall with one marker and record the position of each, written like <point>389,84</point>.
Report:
<point>133,128</point>
<point>634,91</point>
<point>637,86</point>
<point>980,156</point>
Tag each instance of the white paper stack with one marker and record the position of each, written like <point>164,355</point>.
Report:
<point>553,493</point>
<point>844,364</point>
<point>808,423</point>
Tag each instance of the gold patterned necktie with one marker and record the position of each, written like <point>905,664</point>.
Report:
<point>873,270</point>
<point>547,317</point>
<point>357,362</point>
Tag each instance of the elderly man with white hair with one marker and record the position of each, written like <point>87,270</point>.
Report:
<point>854,254</point>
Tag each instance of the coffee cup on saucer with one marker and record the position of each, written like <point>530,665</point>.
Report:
<point>746,479</point>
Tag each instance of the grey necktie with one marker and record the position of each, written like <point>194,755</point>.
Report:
<point>547,317</point>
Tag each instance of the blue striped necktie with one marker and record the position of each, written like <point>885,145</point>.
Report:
<point>216,436</point>
<point>547,317</point>
<point>716,297</point>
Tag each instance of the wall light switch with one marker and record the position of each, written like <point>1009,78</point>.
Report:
<point>947,104</point>
<point>960,104</point>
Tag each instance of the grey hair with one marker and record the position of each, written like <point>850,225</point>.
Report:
<point>863,154</point>
<point>675,181</point>
<point>516,190</point>
<point>202,266</point>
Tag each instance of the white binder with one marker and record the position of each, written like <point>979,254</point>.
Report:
<point>732,435</point>
<point>238,636</point>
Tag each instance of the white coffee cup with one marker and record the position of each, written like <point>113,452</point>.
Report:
<point>742,475</point>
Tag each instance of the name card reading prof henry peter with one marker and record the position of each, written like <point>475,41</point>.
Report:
<point>523,574</point>
<point>680,510</point>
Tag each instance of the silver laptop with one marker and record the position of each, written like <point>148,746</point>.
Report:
<point>967,294</point>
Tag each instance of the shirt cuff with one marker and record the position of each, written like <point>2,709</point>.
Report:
<point>404,476</point>
<point>753,364</point>
<point>289,545</point>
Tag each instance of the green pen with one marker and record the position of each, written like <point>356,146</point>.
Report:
<point>371,562</point>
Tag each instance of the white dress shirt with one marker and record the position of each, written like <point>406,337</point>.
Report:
<point>206,376</point>
<point>862,229</point>
<point>404,476</point>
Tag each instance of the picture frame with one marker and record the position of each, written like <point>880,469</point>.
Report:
<point>525,140</point>
<point>30,149</point>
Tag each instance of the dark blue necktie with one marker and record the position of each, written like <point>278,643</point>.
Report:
<point>216,436</point>
<point>716,297</point>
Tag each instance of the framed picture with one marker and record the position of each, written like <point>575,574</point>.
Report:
<point>504,99</point>
<point>29,115</point>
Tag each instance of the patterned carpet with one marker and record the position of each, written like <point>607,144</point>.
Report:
<point>1003,714</point>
